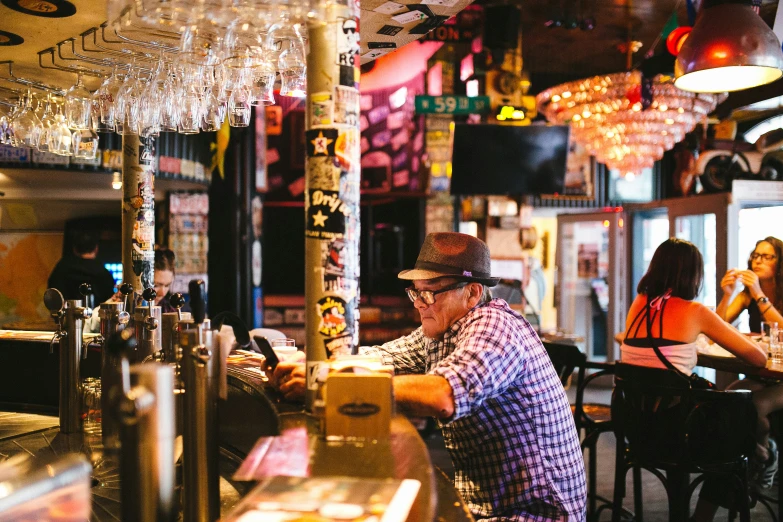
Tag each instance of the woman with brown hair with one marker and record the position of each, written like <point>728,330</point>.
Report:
<point>762,296</point>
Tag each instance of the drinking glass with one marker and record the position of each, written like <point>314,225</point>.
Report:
<point>766,329</point>
<point>91,405</point>
<point>239,108</point>
<point>27,126</point>
<point>47,123</point>
<point>60,138</point>
<point>293,76</point>
<point>776,346</point>
<point>78,105</point>
<point>283,346</point>
<point>85,144</point>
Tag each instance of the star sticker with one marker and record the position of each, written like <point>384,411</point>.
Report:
<point>321,144</point>
<point>319,220</point>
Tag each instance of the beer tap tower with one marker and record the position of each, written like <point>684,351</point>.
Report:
<point>200,373</point>
<point>146,320</point>
<point>147,431</point>
<point>72,351</point>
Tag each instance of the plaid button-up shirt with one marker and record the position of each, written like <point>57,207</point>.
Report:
<point>512,437</point>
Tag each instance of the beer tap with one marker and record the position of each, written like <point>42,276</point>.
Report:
<point>126,289</point>
<point>169,326</point>
<point>145,409</point>
<point>54,302</point>
<point>113,319</point>
<point>200,372</point>
<point>71,352</point>
<point>85,289</point>
<point>146,322</point>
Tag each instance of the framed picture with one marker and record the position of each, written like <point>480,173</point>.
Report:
<point>580,172</point>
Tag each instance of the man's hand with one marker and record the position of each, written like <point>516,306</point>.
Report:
<point>289,378</point>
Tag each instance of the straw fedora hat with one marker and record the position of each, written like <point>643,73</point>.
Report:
<point>451,254</point>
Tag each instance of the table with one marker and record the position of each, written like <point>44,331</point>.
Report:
<point>773,370</point>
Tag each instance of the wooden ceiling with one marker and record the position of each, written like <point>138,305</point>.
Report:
<point>575,53</point>
<point>550,55</point>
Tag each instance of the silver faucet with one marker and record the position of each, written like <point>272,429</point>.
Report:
<point>200,372</point>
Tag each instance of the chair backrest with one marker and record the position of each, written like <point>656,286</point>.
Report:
<point>665,422</point>
<point>565,358</point>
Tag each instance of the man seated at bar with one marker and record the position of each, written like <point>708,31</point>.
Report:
<point>82,266</point>
<point>481,370</point>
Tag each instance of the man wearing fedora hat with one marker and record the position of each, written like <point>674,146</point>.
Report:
<point>479,368</point>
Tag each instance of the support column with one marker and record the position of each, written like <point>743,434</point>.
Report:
<point>332,179</point>
<point>138,214</point>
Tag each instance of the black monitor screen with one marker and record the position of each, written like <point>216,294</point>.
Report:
<point>504,159</point>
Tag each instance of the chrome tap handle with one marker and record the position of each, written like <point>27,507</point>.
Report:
<point>177,300</point>
<point>149,295</point>
<point>55,338</point>
<point>126,289</point>
<point>150,323</point>
<point>123,317</point>
<point>85,289</point>
<point>198,305</point>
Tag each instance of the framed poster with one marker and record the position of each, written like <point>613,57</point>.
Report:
<point>580,172</point>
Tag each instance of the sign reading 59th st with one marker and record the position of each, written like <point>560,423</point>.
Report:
<point>452,104</point>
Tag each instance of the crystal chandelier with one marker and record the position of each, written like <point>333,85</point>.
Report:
<point>608,117</point>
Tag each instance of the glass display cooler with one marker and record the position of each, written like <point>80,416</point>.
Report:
<point>590,294</point>
<point>725,227</point>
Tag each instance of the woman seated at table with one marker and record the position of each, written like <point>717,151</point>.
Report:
<point>665,300</point>
<point>762,296</point>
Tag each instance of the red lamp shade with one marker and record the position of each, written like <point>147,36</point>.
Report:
<point>676,38</point>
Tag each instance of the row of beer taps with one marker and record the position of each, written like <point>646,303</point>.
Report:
<point>159,379</point>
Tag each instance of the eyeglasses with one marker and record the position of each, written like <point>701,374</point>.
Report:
<point>428,296</point>
<point>764,257</point>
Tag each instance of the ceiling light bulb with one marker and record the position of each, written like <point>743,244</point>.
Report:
<point>729,49</point>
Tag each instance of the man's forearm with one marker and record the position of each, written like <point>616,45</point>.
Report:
<point>424,396</point>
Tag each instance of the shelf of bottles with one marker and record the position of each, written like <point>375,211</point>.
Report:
<point>184,158</point>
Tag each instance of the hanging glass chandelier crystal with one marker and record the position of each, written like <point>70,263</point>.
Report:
<point>609,118</point>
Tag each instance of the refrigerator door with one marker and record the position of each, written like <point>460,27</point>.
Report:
<point>590,283</point>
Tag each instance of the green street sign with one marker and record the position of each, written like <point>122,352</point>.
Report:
<point>452,104</point>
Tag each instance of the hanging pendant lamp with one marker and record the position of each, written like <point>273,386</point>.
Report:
<point>729,49</point>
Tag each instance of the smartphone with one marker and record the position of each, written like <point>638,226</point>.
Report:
<point>266,350</point>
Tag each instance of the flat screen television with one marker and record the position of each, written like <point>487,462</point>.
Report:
<point>509,160</point>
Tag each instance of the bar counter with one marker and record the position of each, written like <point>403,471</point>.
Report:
<point>29,383</point>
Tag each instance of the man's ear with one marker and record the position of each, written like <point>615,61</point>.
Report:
<point>476,291</point>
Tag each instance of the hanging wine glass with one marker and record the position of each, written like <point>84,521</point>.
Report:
<point>190,111</point>
<point>239,108</point>
<point>78,101</point>
<point>104,101</point>
<point>27,126</point>
<point>85,144</point>
<point>169,110</point>
<point>60,138</point>
<point>293,76</point>
<point>47,123</point>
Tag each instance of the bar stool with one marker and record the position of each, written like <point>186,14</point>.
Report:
<point>591,419</point>
<point>665,427</point>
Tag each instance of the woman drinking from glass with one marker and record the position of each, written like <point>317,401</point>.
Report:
<point>762,296</point>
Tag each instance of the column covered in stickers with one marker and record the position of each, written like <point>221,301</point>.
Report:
<point>332,178</point>
<point>138,212</point>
